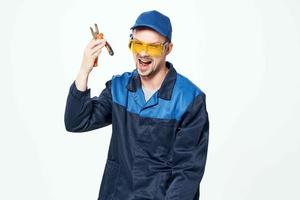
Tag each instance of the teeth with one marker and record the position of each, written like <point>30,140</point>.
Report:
<point>145,61</point>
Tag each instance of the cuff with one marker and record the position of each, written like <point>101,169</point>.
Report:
<point>77,93</point>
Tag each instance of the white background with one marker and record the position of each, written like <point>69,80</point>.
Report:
<point>244,54</point>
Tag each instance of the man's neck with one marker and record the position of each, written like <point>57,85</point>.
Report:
<point>154,82</point>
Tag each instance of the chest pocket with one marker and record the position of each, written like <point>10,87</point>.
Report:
<point>157,137</point>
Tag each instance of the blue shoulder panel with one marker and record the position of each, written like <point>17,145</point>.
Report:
<point>119,88</point>
<point>184,92</point>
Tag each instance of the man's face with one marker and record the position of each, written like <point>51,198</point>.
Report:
<point>146,64</point>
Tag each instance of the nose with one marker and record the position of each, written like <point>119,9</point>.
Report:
<point>144,50</point>
<point>143,53</point>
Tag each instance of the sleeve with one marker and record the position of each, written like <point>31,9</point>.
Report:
<point>189,152</point>
<point>83,113</point>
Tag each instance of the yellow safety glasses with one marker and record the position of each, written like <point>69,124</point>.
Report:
<point>153,49</point>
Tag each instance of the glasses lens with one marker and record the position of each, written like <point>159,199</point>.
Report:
<point>151,49</point>
<point>138,46</point>
<point>155,49</point>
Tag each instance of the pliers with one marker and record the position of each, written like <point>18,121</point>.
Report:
<point>97,35</point>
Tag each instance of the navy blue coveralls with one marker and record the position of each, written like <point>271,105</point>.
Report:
<point>158,148</point>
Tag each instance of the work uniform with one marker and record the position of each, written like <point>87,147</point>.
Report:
<point>158,147</point>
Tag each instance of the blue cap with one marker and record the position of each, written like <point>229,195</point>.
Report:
<point>156,21</point>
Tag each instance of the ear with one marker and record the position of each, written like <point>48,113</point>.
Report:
<point>169,48</point>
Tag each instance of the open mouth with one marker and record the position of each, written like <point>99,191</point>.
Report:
<point>144,62</point>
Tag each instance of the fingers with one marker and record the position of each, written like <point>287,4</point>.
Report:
<point>91,52</point>
<point>97,48</point>
<point>96,53</point>
<point>96,42</point>
<point>94,46</point>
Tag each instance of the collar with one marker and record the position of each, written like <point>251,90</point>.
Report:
<point>166,89</point>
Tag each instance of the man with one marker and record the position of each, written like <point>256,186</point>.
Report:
<point>160,125</point>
